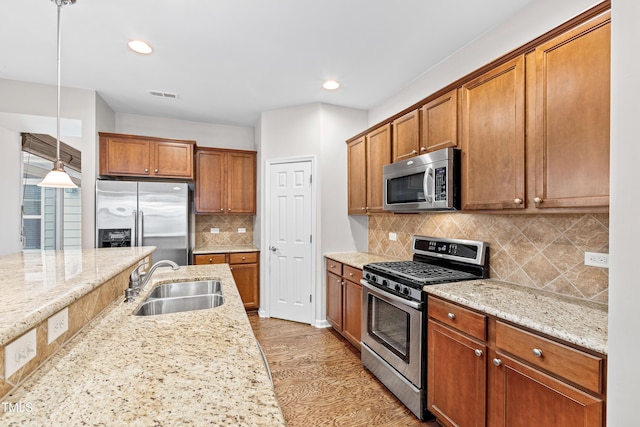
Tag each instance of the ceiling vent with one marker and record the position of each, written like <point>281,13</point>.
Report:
<point>163,94</point>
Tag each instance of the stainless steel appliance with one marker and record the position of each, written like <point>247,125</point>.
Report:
<point>394,311</point>
<point>149,213</point>
<point>427,182</point>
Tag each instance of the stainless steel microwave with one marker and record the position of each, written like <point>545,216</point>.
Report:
<point>427,182</point>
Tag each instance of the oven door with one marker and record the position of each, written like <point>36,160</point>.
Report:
<point>392,328</point>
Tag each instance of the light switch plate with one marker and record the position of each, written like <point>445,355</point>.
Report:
<point>19,352</point>
<point>242,230</point>
<point>57,325</point>
<point>215,230</point>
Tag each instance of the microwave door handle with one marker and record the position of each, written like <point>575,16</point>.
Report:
<point>428,184</point>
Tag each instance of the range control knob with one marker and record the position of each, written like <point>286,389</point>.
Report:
<point>397,288</point>
<point>405,291</point>
<point>374,279</point>
<point>367,275</point>
<point>384,282</point>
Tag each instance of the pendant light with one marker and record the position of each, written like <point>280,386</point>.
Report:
<point>57,177</point>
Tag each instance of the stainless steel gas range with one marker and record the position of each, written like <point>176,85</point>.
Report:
<point>394,335</point>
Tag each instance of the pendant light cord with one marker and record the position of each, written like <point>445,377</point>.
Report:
<point>59,4</point>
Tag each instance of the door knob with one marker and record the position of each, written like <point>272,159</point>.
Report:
<point>273,249</point>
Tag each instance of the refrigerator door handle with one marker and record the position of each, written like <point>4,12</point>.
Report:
<point>134,230</point>
<point>141,230</point>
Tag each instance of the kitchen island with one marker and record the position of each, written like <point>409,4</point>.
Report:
<point>192,368</point>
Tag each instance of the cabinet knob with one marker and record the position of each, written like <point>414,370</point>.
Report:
<point>517,201</point>
<point>423,149</point>
<point>210,259</point>
<point>146,170</point>
<point>414,152</point>
<point>243,258</point>
<point>155,170</point>
<point>478,352</point>
<point>230,268</point>
<point>351,274</point>
<point>451,316</point>
<point>537,200</point>
<point>364,208</point>
<point>537,352</point>
<point>222,209</point>
<point>497,362</point>
<point>228,209</point>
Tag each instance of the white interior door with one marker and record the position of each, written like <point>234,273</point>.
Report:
<point>290,241</point>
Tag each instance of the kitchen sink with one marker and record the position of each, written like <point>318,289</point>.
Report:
<point>153,306</point>
<point>185,289</point>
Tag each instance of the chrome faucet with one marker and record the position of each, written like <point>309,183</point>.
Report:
<point>138,280</point>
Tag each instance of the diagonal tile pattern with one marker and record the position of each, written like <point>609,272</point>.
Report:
<point>228,226</point>
<point>541,251</point>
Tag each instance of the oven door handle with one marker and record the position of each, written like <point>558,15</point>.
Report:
<point>390,297</point>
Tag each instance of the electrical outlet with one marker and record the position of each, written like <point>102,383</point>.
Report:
<point>393,236</point>
<point>57,325</point>
<point>596,259</point>
<point>242,230</point>
<point>215,231</point>
<point>19,352</point>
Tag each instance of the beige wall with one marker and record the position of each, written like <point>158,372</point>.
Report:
<point>540,251</point>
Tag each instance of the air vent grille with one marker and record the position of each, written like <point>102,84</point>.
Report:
<point>162,94</point>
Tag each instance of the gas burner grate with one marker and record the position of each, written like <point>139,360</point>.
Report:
<point>422,272</point>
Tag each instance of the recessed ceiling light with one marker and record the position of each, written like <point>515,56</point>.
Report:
<point>331,85</point>
<point>140,47</point>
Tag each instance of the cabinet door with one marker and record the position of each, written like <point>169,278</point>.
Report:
<point>246,277</point>
<point>334,300</point>
<point>352,312</point>
<point>440,123</point>
<point>406,136</point>
<point>241,182</point>
<point>456,377</point>
<point>522,397</point>
<point>210,189</point>
<point>357,177</point>
<point>493,172</point>
<point>572,114</point>
<point>173,159</point>
<point>125,156</point>
<point>378,155</point>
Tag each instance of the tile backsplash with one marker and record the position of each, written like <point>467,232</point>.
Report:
<point>540,251</point>
<point>228,226</point>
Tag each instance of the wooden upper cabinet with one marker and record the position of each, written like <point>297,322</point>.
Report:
<point>406,136</point>
<point>378,155</point>
<point>225,181</point>
<point>141,156</point>
<point>493,138</point>
<point>439,120</point>
<point>572,117</point>
<point>357,177</point>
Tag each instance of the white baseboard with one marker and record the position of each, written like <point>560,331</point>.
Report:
<point>322,324</point>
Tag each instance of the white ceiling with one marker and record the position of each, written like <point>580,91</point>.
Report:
<point>229,60</point>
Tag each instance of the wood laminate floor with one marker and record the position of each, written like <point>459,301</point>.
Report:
<point>319,380</point>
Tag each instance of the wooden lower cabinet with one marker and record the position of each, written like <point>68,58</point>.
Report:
<point>522,396</point>
<point>512,378</point>
<point>456,377</point>
<point>245,268</point>
<point>344,300</point>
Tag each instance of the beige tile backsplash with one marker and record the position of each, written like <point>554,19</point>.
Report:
<point>539,251</point>
<point>228,226</point>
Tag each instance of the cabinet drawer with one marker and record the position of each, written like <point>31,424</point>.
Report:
<point>351,273</point>
<point>574,365</point>
<point>210,259</point>
<point>243,258</point>
<point>458,317</point>
<point>334,267</point>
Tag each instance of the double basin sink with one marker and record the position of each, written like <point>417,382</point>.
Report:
<point>182,296</point>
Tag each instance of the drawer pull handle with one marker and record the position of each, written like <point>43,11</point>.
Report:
<point>537,352</point>
<point>478,352</point>
<point>451,316</point>
<point>497,362</point>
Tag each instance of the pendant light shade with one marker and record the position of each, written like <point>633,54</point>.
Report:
<point>57,177</point>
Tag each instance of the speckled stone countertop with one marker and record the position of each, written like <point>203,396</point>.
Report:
<point>36,285</point>
<point>358,259</point>
<point>573,320</point>
<point>192,368</point>
<point>222,249</point>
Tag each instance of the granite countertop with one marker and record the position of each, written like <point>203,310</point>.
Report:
<point>36,285</point>
<point>192,368</point>
<point>222,249</point>
<point>576,321</point>
<point>358,259</point>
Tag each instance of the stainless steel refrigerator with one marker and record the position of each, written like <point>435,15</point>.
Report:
<point>137,213</point>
